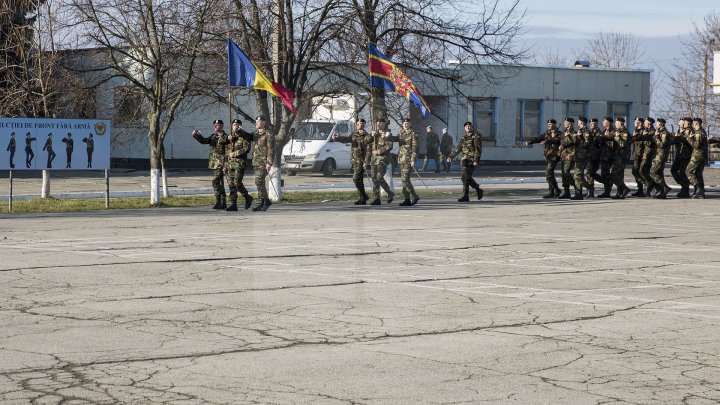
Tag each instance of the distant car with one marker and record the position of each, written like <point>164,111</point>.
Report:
<point>311,148</point>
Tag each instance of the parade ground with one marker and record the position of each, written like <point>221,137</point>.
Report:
<point>509,299</point>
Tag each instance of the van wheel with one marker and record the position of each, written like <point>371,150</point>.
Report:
<point>291,172</point>
<point>328,168</point>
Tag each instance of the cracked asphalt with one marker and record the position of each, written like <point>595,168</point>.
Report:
<point>511,299</point>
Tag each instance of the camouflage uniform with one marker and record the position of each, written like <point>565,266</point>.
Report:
<point>216,160</point>
<point>617,171</point>
<point>551,140</point>
<point>262,156</point>
<point>662,140</point>
<point>583,146</point>
<point>378,156</point>
<point>683,151</point>
<point>407,155</point>
<point>638,152</point>
<point>236,152</point>
<point>699,142</point>
<point>446,146</point>
<point>360,141</point>
<point>647,158</point>
<point>432,143</point>
<point>594,153</point>
<point>607,157</point>
<point>567,156</point>
<point>470,146</point>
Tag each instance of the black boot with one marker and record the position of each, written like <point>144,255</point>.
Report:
<point>591,192</point>
<point>662,194</point>
<point>578,194</point>
<point>260,206</point>
<point>684,192</point>
<point>479,192</point>
<point>649,190</point>
<point>550,194</point>
<point>566,194</point>
<point>217,203</point>
<point>639,192</point>
<point>406,203</point>
<point>557,191</point>
<point>700,194</point>
<point>233,205</point>
<point>391,195</point>
<point>666,187</point>
<point>223,203</point>
<point>248,200</point>
<point>464,198</point>
<point>415,200</point>
<point>362,200</point>
<point>606,193</point>
<point>375,202</point>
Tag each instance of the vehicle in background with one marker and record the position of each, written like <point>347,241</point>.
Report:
<point>311,148</point>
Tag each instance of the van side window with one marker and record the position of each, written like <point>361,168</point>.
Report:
<point>342,127</point>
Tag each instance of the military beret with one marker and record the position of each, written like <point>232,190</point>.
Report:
<point>569,119</point>
<point>661,120</point>
<point>428,127</point>
<point>237,121</point>
<point>467,123</point>
<point>260,118</point>
<point>382,120</point>
<point>406,120</point>
<point>620,119</point>
<point>688,119</point>
<point>593,120</point>
<point>361,120</point>
<point>583,119</point>
<point>650,120</point>
<point>698,120</point>
<point>639,119</point>
<point>608,119</point>
<point>216,122</point>
<point>551,121</point>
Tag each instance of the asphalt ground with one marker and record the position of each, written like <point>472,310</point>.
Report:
<point>509,299</point>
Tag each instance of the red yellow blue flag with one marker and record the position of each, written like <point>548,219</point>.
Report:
<point>385,74</point>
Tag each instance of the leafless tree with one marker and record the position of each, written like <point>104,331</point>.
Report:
<point>551,57</point>
<point>613,50</point>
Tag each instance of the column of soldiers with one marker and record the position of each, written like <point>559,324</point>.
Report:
<point>584,151</point>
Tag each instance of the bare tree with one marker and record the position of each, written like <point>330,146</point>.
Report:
<point>149,46</point>
<point>613,50</point>
<point>551,57</point>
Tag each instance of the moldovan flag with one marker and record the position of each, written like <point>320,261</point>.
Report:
<point>242,72</point>
<point>384,73</point>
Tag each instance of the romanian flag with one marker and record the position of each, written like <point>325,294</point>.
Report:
<point>384,73</point>
<point>242,72</point>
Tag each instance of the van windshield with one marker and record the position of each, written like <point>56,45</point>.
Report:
<point>314,131</point>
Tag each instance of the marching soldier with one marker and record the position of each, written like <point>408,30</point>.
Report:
<point>360,141</point>
<point>567,155</point>
<point>699,142</point>
<point>662,142</point>
<point>620,148</point>
<point>583,144</point>
<point>90,147</point>
<point>607,156</point>
<point>11,148</point>
<point>29,154</point>
<point>216,160</point>
<point>50,152</point>
<point>432,143</point>
<point>236,150</point>
<point>683,151</point>
<point>446,146</point>
<point>593,160</point>
<point>68,141</point>
<point>378,157</point>
<point>648,155</point>
<point>262,161</point>
<point>471,148</point>
<point>638,152</point>
<point>551,140</point>
<point>407,155</point>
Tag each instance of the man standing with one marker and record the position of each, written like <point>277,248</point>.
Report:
<point>567,155</point>
<point>471,148</point>
<point>29,154</point>
<point>378,156</point>
<point>661,142</point>
<point>432,143</point>
<point>683,150</point>
<point>620,145</point>
<point>263,156</point>
<point>583,144</point>
<point>594,152</point>
<point>90,146</point>
<point>407,156</point>
<point>236,150</point>
<point>360,141</point>
<point>50,152</point>
<point>638,151</point>
<point>607,156</point>
<point>446,146</point>
<point>648,155</point>
<point>551,140</point>
<point>216,160</point>
<point>699,142</point>
<point>11,148</point>
<point>68,141</point>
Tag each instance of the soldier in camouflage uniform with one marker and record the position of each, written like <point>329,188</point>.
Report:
<point>407,155</point>
<point>567,156</point>
<point>551,140</point>
<point>638,151</point>
<point>661,141</point>
<point>432,143</point>
<point>216,160</point>
<point>607,155</point>
<point>236,150</point>
<point>378,157</point>
<point>648,155</point>
<point>621,140</point>
<point>699,142</point>
<point>683,150</point>
<point>594,152</point>
<point>360,140</point>
<point>471,148</point>
<point>583,145</point>
<point>446,146</point>
<point>262,161</point>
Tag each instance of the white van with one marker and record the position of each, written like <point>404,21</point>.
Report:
<point>311,149</point>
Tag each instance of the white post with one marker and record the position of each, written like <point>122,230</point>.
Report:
<point>274,188</point>
<point>45,193</point>
<point>154,187</point>
<point>11,194</point>
<point>107,188</point>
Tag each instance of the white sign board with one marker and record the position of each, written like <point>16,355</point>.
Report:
<point>54,144</point>
<point>716,72</point>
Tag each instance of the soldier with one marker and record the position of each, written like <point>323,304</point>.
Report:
<point>638,151</point>
<point>648,155</point>
<point>236,150</point>
<point>699,142</point>
<point>661,142</point>
<point>567,156</point>
<point>216,160</point>
<point>446,146</point>
<point>263,156</point>
<point>620,148</point>
<point>432,143</point>
<point>50,152</point>
<point>90,146</point>
<point>11,148</point>
<point>29,154</point>
<point>407,155</point>
<point>68,141</point>
<point>594,152</point>
<point>378,157</point>
<point>683,150</point>
<point>551,140</point>
<point>607,155</point>
<point>583,145</point>
<point>360,141</point>
<point>471,148</point>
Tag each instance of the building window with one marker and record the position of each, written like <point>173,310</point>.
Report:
<point>528,119</point>
<point>482,115</point>
<point>575,109</point>
<point>127,104</point>
<point>616,110</point>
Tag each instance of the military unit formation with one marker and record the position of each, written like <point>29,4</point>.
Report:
<point>588,155</point>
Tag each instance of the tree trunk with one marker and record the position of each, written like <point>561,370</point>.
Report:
<point>45,193</point>
<point>154,175</point>
<point>274,189</point>
<point>165,192</point>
